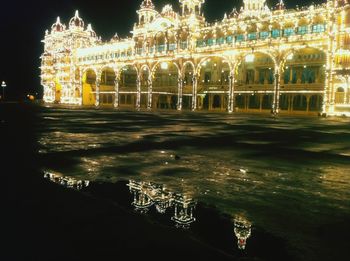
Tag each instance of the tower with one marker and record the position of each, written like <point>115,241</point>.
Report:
<point>256,8</point>
<point>190,7</point>
<point>147,12</point>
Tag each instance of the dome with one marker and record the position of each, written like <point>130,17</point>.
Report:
<point>147,4</point>
<point>168,11</point>
<point>90,31</point>
<point>58,26</point>
<point>280,5</point>
<point>76,21</point>
<point>234,13</point>
<point>115,38</point>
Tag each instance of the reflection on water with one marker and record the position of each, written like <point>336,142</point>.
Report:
<point>288,175</point>
<point>147,194</point>
<point>243,230</point>
<point>67,182</point>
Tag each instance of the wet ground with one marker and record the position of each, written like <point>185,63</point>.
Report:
<point>263,188</point>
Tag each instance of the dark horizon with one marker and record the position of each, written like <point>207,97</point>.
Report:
<point>23,26</point>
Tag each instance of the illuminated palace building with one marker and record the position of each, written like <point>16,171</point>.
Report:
<point>255,59</point>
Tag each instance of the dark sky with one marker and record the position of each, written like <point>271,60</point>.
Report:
<point>24,22</point>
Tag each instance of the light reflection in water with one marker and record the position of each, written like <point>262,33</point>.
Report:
<point>67,182</point>
<point>147,194</point>
<point>243,230</point>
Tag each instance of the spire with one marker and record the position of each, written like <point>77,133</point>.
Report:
<point>280,5</point>
<point>147,4</point>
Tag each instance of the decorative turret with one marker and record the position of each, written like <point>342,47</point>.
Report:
<point>147,12</point>
<point>76,22</point>
<point>256,8</point>
<point>190,7</point>
<point>115,38</point>
<point>168,11</point>
<point>58,26</point>
<point>91,32</point>
<point>280,6</point>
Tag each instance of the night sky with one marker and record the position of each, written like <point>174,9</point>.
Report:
<point>23,24</point>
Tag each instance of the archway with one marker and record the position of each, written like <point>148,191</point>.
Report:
<point>128,86</point>
<point>107,86</point>
<point>188,72</point>
<point>255,77</point>
<point>165,85</point>
<point>303,72</point>
<point>145,84</point>
<point>89,87</point>
<point>339,95</point>
<point>213,83</point>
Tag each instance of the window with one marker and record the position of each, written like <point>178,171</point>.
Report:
<point>200,43</point>
<point>240,38</point>
<point>161,48</point>
<point>318,28</point>
<point>172,47</point>
<point>252,36</point>
<point>264,35</point>
<point>288,31</point>
<point>211,41</point>
<point>302,29</point>
<point>183,45</point>
<point>276,33</point>
<point>229,39</point>
<point>220,40</point>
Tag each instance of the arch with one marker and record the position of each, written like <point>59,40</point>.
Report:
<point>128,77</point>
<point>206,59</point>
<point>145,81</point>
<point>165,84</point>
<point>340,95</point>
<point>303,65</point>
<point>246,69</point>
<point>107,85</point>
<point>160,41</point>
<point>187,73</point>
<point>89,86</point>
<point>213,74</point>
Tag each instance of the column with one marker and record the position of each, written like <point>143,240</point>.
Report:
<point>149,92</point>
<point>98,82</point>
<point>180,92</point>
<point>231,98</point>
<point>194,93</point>
<point>276,97</point>
<point>116,89</point>
<point>138,95</point>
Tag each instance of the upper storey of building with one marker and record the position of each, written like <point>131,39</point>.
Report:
<point>166,31</point>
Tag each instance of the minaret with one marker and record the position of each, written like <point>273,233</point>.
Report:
<point>190,7</point>
<point>254,5</point>
<point>255,8</point>
<point>147,12</point>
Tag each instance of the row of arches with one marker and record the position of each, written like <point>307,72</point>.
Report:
<point>209,84</point>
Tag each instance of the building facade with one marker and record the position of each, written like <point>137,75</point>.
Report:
<point>255,59</point>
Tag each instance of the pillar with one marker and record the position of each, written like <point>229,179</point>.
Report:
<point>179,93</point>
<point>138,95</point>
<point>276,96</point>
<point>194,93</point>
<point>149,93</point>
<point>98,82</point>
<point>116,88</point>
<point>231,102</point>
